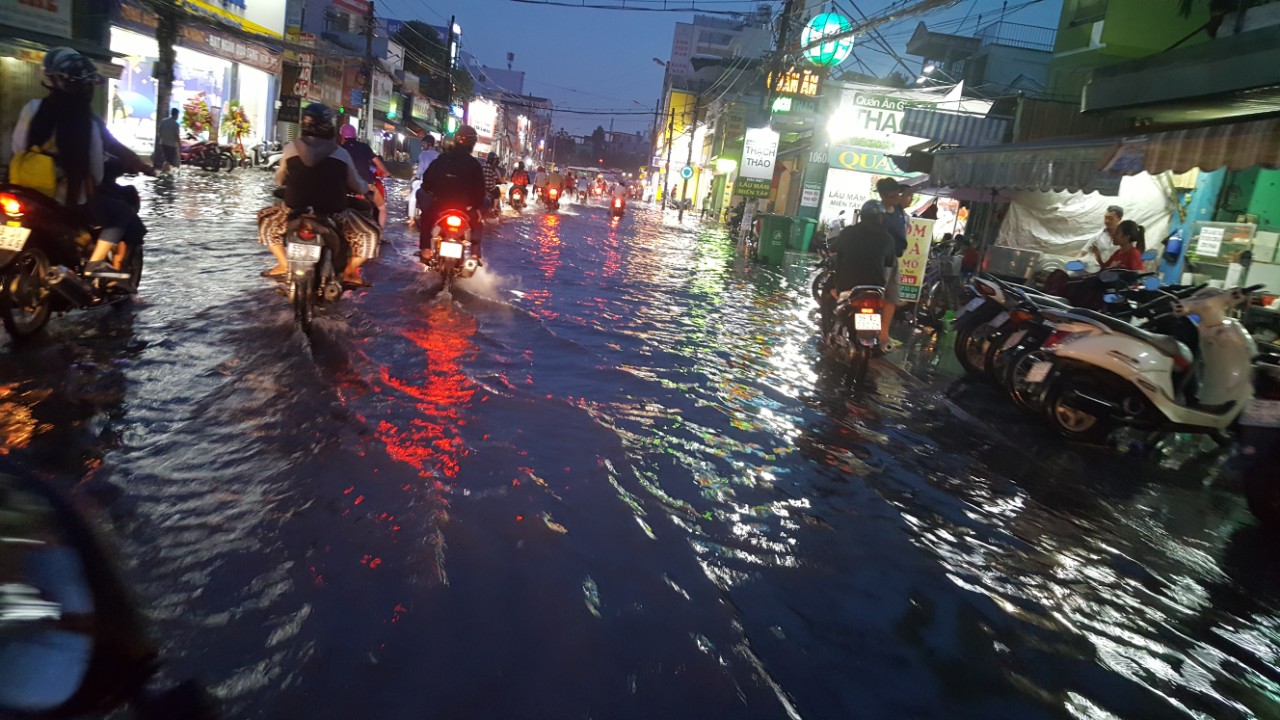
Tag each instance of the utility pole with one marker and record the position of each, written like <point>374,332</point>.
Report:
<point>666,170</point>
<point>693,129</point>
<point>453,59</point>
<point>366,112</point>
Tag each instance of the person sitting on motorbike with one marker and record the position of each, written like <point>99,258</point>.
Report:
<point>1090,291</point>
<point>455,181</point>
<point>584,188</point>
<point>316,173</point>
<point>64,125</point>
<point>519,180</point>
<point>554,180</point>
<point>540,180</point>
<point>864,255</point>
<point>493,176</point>
<point>619,190</point>
<point>368,165</point>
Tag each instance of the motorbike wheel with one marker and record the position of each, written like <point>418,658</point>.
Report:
<point>1025,395</point>
<point>861,361</point>
<point>303,295</point>
<point>819,283</point>
<point>971,348</point>
<point>211,161</point>
<point>1071,423</point>
<point>24,296</point>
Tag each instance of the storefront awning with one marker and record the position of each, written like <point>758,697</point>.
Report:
<point>950,128</point>
<point>1097,164</point>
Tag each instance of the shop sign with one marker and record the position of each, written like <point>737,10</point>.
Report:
<point>229,48</point>
<point>811,194</point>
<point>845,190</point>
<point>759,155</point>
<point>290,109</point>
<point>796,82</point>
<point>847,157</point>
<point>52,17</point>
<point>483,116</point>
<point>911,265</point>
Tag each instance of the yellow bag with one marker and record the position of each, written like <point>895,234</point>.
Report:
<point>34,169</point>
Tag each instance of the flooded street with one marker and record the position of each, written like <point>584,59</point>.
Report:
<point>610,477</point>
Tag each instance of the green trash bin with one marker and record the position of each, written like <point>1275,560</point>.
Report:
<point>775,233</point>
<point>802,230</point>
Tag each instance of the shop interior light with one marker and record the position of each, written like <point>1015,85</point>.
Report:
<point>726,165</point>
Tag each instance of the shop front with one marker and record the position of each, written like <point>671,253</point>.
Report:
<point>212,67</point>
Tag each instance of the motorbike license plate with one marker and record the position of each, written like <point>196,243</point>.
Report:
<point>1039,371</point>
<point>1261,413</point>
<point>1000,320</point>
<point>13,238</point>
<point>303,252</point>
<point>1014,339</point>
<point>866,321</point>
<point>451,250</point>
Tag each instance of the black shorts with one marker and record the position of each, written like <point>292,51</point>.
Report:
<point>169,154</point>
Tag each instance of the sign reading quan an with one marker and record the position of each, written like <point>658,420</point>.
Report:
<point>849,157</point>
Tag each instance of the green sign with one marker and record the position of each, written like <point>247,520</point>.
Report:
<point>752,187</point>
<point>827,25</point>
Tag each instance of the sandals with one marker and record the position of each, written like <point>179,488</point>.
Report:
<point>275,275</point>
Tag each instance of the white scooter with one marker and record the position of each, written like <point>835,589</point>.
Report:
<point>1128,376</point>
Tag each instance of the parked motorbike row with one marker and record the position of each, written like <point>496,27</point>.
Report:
<point>212,156</point>
<point>1160,359</point>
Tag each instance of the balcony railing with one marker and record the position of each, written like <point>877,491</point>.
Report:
<point>1032,37</point>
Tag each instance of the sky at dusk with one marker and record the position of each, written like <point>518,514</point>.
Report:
<point>602,59</point>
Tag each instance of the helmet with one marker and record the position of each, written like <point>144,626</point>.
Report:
<point>317,121</point>
<point>493,157</point>
<point>872,207</point>
<point>466,137</point>
<point>347,131</point>
<point>69,71</point>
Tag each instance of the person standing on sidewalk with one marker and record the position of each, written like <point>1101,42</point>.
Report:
<point>894,196</point>
<point>169,142</point>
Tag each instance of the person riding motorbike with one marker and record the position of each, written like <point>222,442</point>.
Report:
<point>368,165</point>
<point>520,182</point>
<point>316,173</point>
<point>555,180</point>
<point>455,181</point>
<point>425,158</point>
<point>63,124</point>
<point>864,255</point>
<point>493,176</point>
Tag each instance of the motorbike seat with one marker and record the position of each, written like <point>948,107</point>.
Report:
<point>858,290</point>
<point>1166,344</point>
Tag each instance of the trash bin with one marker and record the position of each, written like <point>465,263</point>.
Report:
<point>802,230</point>
<point>775,233</point>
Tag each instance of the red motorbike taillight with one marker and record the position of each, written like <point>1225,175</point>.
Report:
<point>11,205</point>
<point>453,221</point>
<point>986,289</point>
<point>1021,317</point>
<point>617,203</point>
<point>1181,364</point>
<point>553,192</point>
<point>306,232</point>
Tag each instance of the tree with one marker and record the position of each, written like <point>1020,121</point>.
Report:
<point>598,140</point>
<point>167,30</point>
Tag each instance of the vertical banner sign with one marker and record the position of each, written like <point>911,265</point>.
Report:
<point>759,154</point>
<point>811,194</point>
<point>911,264</point>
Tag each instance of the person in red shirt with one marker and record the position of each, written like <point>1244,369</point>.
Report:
<point>1130,239</point>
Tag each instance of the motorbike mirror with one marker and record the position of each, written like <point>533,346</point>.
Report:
<point>1112,298</point>
<point>1151,283</point>
<point>1148,256</point>
<point>1076,266</point>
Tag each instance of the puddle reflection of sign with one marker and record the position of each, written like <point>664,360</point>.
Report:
<point>911,265</point>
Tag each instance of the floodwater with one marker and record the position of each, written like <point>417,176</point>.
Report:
<point>609,478</point>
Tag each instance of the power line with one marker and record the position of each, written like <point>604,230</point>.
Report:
<point>692,7</point>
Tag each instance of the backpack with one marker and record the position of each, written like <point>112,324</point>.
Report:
<point>34,168</point>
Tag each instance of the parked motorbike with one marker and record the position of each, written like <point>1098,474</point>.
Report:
<point>1132,377</point>
<point>1260,443</point>
<point>451,248</point>
<point>516,196</point>
<point>44,248</point>
<point>204,154</point>
<point>618,207</point>
<point>854,334</point>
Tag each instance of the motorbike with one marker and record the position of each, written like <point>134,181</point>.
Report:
<point>74,644</point>
<point>317,253</point>
<point>267,151</point>
<point>1260,443</point>
<point>826,267</point>
<point>618,207</point>
<point>1132,377</point>
<point>516,196</point>
<point>551,198</point>
<point>204,154</point>
<point>44,250</point>
<point>451,247</point>
<point>854,334</point>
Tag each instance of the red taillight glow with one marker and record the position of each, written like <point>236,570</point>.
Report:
<point>306,233</point>
<point>1181,364</point>
<point>1057,339</point>
<point>10,204</point>
<point>617,203</point>
<point>453,221</point>
<point>1021,317</point>
<point>553,192</point>
<point>867,310</point>
<point>986,289</point>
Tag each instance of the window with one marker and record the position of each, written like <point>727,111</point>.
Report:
<point>1088,11</point>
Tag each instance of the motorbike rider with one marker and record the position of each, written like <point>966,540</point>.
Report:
<point>425,158</point>
<point>316,172</point>
<point>555,180</point>
<point>493,176</point>
<point>864,255</point>
<point>64,125</point>
<point>455,181</point>
<point>368,165</point>
<point>520,179</point>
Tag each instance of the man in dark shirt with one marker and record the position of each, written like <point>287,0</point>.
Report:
<point>864,254</point>
<point>455,181</point>
<point>895,197</point>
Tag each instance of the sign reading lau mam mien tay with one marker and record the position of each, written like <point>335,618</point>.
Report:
<point>759,153</point>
